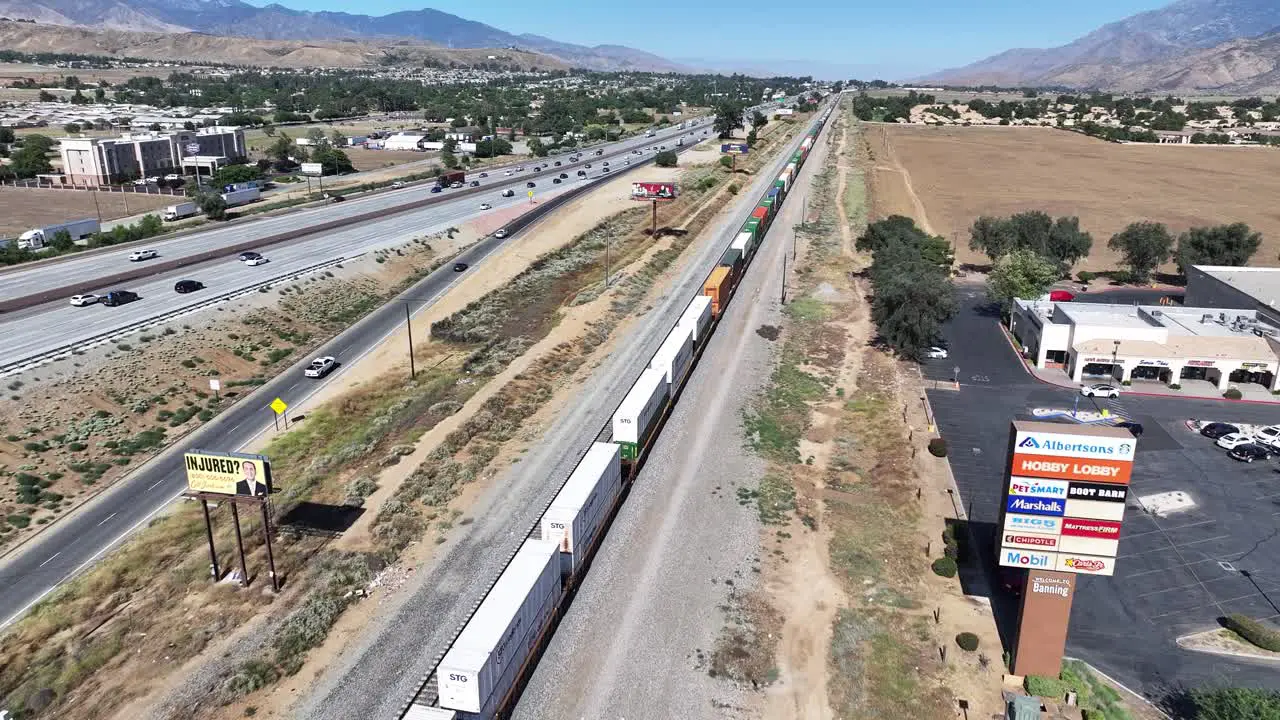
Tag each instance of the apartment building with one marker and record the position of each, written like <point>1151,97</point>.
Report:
<point>102,161</point>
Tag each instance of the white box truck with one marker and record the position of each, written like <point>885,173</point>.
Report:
<point>484,662</point>
<point>179,211</point>
<point>244,196</point>
<point>40,237</point>
<point>576,517</point>
<point>636,417</point>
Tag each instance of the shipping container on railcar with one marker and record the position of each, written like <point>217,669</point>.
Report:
<point>579,511</point>
<point>674,357</point>
<point>717,287</point>
<point>697,317</point>
<point>479,673</point>
<point>733,260</point>
<point>422,712</point>
<point>638,415</point>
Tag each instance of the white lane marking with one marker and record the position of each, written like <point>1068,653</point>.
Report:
<point>105,519</point>
<point>152,486</point>
<point>51,557</point>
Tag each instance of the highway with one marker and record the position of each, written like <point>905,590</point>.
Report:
<point>73,543</point>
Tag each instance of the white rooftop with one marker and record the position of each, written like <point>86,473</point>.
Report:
<point>1262,283</point>
<point>1175,319</point>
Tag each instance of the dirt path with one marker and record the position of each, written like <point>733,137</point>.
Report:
<point>895,165</point>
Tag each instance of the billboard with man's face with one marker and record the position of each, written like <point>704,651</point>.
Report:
<point>228,473</point>
<point>654,191</point>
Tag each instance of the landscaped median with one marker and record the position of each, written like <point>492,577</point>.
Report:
<point>89,647</point>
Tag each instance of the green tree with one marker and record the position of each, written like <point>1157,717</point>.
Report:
<point>71,128</point>
<point>910,306</point>
<point>1220,245</point>
<point>99,95</point>
<point>30,159</point>
<point>1235,703</point>
<point>726,162</point>
<point>317,137</point>
<point>751,138</point>
<point>337,139</point>
<point>1062,241</point>
<point>6,135</point>
<point>493,148</point>
<point>1021,273</point>
<point>594,132</point>
<point>62,241</point>
<point>728,118</point>
<point>991,236</point>
<point>446,154</point>
<point>758,120</point>
<point>213,206</point>
<point>332,161</point>
<point>232,174</point>
<point>1143,246</point>
<point>666,158</point>
<point>537,147</point>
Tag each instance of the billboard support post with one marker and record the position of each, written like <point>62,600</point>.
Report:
<point>208,533</point>
<point>266,535</point>
<point>408,324</point>
<point>654,231</point>
<point>244,570</point>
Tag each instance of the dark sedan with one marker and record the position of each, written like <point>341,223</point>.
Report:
<point>186,286</point>
<point>1216,430</point>
<point>1249,452</point>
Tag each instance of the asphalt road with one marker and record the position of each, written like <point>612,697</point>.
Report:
<point>76,541</point>
<point>1169,581</point>
<point>31,332</point>
<point>383,668</point>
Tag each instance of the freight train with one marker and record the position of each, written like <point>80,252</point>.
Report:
<point>480,675</point>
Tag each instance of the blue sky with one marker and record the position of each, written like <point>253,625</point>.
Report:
<point>886,38</point>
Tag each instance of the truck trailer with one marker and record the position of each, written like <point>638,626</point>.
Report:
<point>37,238</point>
<point>450,177</point>
<point>236,198</point>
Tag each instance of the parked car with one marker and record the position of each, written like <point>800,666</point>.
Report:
<point>1248,452</point>
<point>320,367</point>
<point>936,353</point>
<point>1269,436</point>
<point>83,300</point>
<point>486,206</point>
<point>501,233</point>
<point>1134,428</point>
<point>1216,430</point>
<point>137,255</point>
<point>1100,390</point>
<point>186,286</point>
<point>1228,442</point>
<point>460,267</point>
<point>118,297</point>
<point>1061,296</point>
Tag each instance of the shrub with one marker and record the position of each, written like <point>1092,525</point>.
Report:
<point>733,188</point>
<point>1232,703</point>
<point>967,641</point>
<point>1232,394</point>
<point>1175,386</point>
<point>1126,383</point>
<point>1253,631</point>
<point>945,567</point>
<point>1048,687</point>
<point>34,447</point>
<point>938,447</point>
<point>19,521</point>
<point>1086,276</point>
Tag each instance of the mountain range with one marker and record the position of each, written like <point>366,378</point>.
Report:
<point>1211,45</point>
<point>276,22</point>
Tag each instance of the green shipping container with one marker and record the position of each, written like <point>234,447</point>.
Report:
<point>780,185</point>
<point>753,226</point>
<point>768,203</point>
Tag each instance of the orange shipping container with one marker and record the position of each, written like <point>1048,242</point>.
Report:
<point>717,288</point>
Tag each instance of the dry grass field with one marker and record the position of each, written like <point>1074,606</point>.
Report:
<point>953,175</point>
<point>24,208</point>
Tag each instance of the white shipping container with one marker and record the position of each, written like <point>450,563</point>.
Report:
<point>577,515</point>
<point>674,356</point>
<point>697,317</point>
<point>481,667</point>
<point>642,404</point>
<point>743,241</point>
<point>422,712</point>
<point>792,169</point>
<point>786,181</point>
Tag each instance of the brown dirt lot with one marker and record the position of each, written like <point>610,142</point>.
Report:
<point>961,173</point>
<point>24,208</point>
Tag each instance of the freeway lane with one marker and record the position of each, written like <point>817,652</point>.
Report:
<point>34,331</point>
<point>28,281</point>
<point>76,541</point>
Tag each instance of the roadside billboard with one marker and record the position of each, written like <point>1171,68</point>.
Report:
<point>315,169</point>
<point>735,148</point>
<point>228,473</point>
<point>654,191</point>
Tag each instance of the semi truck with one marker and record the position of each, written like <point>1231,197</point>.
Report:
<point>179,211</point>
<point>40,237</point>
<point>235,198</point>
<point>450,177</point>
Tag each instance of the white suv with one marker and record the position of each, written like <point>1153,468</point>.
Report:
<point>1268,436</point>
<point>1227,442</point>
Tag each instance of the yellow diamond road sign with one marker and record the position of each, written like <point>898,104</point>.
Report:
<point>279,406</point>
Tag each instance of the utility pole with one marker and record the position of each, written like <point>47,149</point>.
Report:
<point>784,279</point>
<point>408,323</point>
<point>607,273</point>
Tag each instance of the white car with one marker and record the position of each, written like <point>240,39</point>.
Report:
<point>1268,436</point>
<point>501,233</point>
<point>173,176</point>
<point>486,206</point>
<point>1100,390</point>
<point>82,300</point>
<point>397,185</point>
<point>936,353</point>
<point>320,367</point>
<point>507,173</point>
<point>255,261</point>
<point>1230,441</point>
<point>137,255</point>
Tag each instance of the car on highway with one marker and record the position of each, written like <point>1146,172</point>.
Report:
<point>475,183</point>
<point>118,297</point>
<point>604,170</point>
<point>627,161</point>
<point>254,261</point>
<point>531,184</point>
<point>1100,390</point>
<point>508,193</point>
<point>936,353</point>
<point>605,163</point>
<point>186,286</point>
<point>320,367</point>
<point>1228,442</point>
<point>138,255</point>
<point>486,206</point>
<point>537,168</point>
<point>501,233</point>
<point>397,185</point>
<point>587,165</point>
<point>436,189</point>
<point>519,168</point>
<point>599,152</point>
<point>455,185</point>
<point>507,174</point>
<point>83,300</point>
<point>484,174</point>
<point>582,173</point>
<point>564,175</point>
<point>1248,452</point>
<point>557,163</point>
<point>460,267</point>
<point>248,255</point>
<point>556,181</point>
<point>1215,430</point>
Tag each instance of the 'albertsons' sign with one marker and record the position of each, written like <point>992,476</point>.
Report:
<point>1077,446</point>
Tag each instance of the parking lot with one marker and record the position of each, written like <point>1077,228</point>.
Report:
<point>1177,574</point>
